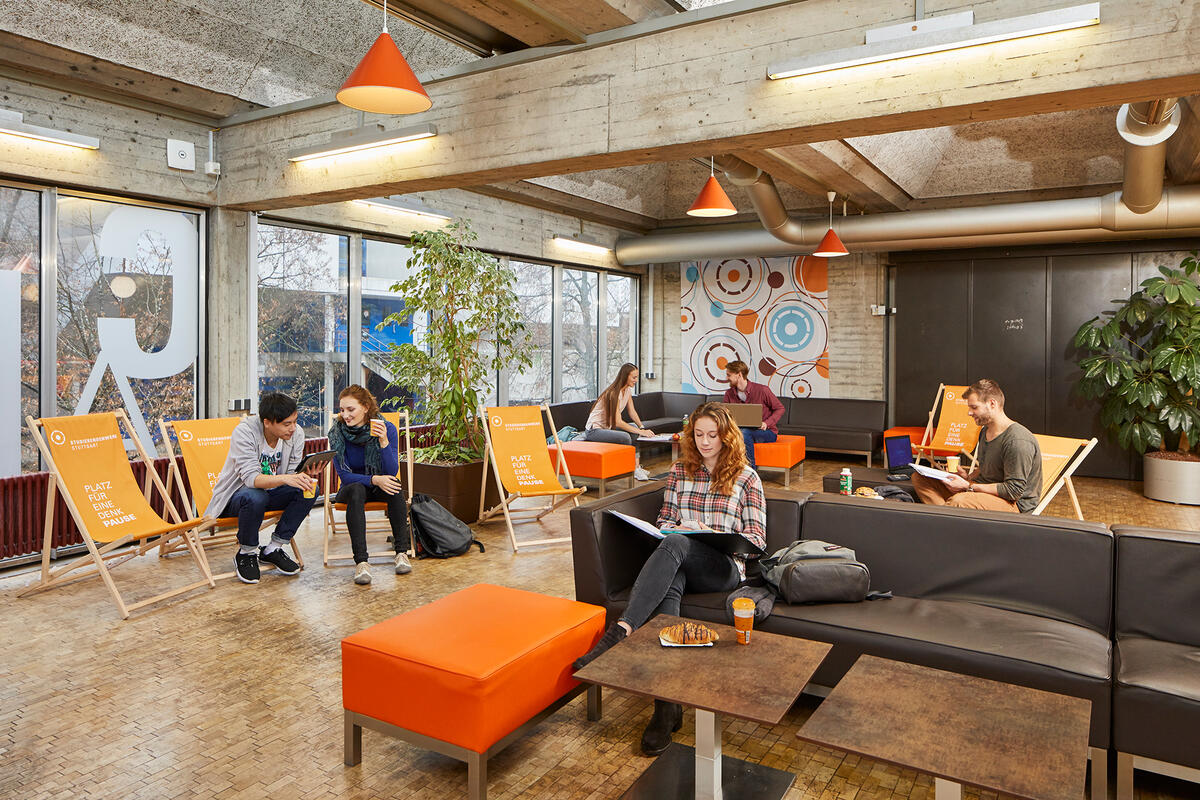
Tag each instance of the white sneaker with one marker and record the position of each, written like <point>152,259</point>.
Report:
<point>402,565</point>
<point>640,474</point>
<point>362,573</point>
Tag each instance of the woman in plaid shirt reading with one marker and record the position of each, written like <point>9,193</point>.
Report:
<point>710,488</point>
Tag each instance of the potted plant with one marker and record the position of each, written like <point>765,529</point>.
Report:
<point>474,329</point>
<point>1142,362</point>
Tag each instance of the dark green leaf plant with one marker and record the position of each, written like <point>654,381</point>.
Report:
<point>474,330</point>
<point>1141,361</point>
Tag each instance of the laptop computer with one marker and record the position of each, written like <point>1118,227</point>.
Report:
<point>746,415</point>
<point>897,452</point>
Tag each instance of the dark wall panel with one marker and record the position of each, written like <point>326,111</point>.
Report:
<point>1080,288</point>
<point>1008,334</point>
<point>932,319</point>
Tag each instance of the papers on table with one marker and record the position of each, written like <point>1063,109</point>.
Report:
<point>658,437</point>
<point>930,472</point>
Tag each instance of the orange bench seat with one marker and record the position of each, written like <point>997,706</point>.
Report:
<point>599,461</point>
<point>784,454</point>
<point>462,673</point>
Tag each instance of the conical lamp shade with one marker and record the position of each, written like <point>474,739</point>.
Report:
<point>383,83</point>
<point>831,246</point>
<point>712,201</point>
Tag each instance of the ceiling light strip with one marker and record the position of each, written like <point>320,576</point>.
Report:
<point>12,123</point>
<point>401,207</point>
<point>363,139</point>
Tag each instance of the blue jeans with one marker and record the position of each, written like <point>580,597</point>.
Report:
<point>678,564</point>
<point>752,435</point>
<point>251,505</point>
<point>609,435</point>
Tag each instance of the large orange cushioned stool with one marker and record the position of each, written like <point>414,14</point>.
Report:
<point>600,461</point>
<point>784,453</point>
<point>466,674</point>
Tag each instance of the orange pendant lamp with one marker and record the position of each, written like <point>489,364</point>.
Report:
<point>383,83</point>
<point>831,246</point>
<point>712,200</point>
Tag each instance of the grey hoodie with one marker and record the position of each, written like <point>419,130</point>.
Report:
<point>242,464</point>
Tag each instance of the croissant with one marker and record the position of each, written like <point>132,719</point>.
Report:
<point>688,633</point>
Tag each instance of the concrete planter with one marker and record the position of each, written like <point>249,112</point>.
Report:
<point>1172,481</point>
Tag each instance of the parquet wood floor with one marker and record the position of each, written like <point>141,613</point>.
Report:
<point>235,692</point>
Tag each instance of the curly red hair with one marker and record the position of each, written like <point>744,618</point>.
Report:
<point>732,458</point>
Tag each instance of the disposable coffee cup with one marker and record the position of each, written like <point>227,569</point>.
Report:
<point>743,618</point>
<point>952,464</point>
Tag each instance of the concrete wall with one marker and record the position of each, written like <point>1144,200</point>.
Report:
<point>857,359</point>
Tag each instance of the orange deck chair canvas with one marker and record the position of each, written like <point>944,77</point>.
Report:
<point>1060,458</point>
<point>516,446</point>
<point>204,446</point>
<point>334,526</point>
<point>949,429</point>
<point>88,464</point>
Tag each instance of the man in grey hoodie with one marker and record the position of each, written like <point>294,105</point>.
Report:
<point>259,476</point>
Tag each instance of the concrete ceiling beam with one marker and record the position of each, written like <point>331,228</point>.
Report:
<point>547,199</point>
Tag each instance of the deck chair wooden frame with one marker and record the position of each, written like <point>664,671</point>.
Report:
<point>333,527</point>
<point>928,446</point>
<point>104,553</point>
<point>220,532</point>
<point>554,496</point>
<point>1062,477</point>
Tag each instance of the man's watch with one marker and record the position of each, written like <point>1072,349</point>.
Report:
<point>970,486</point>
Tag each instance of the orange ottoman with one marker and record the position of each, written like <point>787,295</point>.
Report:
<point>600,461</point>
<point>783,453</point>
<point>467,674</point>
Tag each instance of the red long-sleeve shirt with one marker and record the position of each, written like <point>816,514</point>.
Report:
<point>763,396</point>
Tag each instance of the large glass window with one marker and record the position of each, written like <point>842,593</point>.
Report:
<point>127,310</point>
<point>20,338</point>
<point>383,265</point>
<point>302,319</point>
<point>620,329</point>
<point>580,328</point>
<point>535,288</point>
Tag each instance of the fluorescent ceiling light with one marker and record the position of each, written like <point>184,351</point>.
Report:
<point>882,47</point>
<point>12,122</point>
<point>364,138</point>
<point>582,243</point>
<point>414,207</point>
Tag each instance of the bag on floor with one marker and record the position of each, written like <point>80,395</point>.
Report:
<point>812,571</point>
<point>437,532</point>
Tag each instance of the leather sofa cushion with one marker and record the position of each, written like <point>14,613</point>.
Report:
<point>817,438</point>
<point>1158,595</point>
<point>664,424</point>
<point>1156,700</point>
<point>836,412</point>
<point>573,414</point>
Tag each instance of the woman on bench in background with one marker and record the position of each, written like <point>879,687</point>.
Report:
<point>710,487</point>
<point>605,423</point>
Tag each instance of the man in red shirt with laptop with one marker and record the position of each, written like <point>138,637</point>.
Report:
<point>742,390</point>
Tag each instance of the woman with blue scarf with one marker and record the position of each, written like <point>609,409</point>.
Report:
<point>367,461</point>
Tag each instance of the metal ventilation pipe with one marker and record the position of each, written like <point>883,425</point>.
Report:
<point>1145,127</point>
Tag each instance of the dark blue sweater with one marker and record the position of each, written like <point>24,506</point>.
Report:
<point>354,469</point>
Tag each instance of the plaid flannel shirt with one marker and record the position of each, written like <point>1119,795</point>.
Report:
<point>692,497</point>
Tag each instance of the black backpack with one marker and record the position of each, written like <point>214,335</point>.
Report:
<point>437,532</point>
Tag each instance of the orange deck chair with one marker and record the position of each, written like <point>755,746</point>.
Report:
<point>88,464</point>
<point>204,446</point>
<point>333,526</point>
<point>516,446</point>
<point>949,429</point>
<point>1060,458</point>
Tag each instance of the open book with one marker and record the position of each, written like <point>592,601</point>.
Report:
<point>930,472</point>
<point>733,544</point>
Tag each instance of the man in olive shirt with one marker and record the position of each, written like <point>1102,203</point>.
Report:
<point>1008,474</point>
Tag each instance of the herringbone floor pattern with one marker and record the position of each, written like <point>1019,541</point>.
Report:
<point>235,692</point>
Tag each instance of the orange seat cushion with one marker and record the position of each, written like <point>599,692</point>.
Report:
<point>783,453</point>
<point>596,459</point>
<point>471,667</point>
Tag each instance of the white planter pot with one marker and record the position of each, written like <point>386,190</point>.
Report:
<point>1173,481</point>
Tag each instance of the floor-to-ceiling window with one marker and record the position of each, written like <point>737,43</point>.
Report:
<point>620,327</point>
<point>580,334</point>
<point>535,291</point>
<point>384,265</point>
<point>20,323</point>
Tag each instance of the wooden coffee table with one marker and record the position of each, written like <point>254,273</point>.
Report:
<point>1009,739</point>
<point>758,682</point>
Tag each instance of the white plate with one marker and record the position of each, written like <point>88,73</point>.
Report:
<point>665,643</point>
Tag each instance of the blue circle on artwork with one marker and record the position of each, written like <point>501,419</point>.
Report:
<point>718,308</point>
<point>791,329</point>
<point>693,274</point>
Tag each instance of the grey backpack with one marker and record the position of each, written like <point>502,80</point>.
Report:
<point>812,571</point>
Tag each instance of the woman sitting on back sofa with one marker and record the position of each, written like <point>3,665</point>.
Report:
<point>605,424</point>
<point>709,488</point>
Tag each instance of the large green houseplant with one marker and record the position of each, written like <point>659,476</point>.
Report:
<point>1141,360</point>
<point>474,330</point>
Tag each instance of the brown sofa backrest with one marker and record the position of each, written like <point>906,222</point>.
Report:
<point>1158,584</point>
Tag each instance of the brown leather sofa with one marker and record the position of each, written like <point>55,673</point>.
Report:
<point>1156,694</point>
<point>1023,600</point>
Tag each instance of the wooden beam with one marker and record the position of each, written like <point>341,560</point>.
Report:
<point>839,167</point>
<point>547,199</point>
<point>694,90</point>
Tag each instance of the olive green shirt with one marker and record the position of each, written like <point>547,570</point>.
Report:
<point>1012,461</point>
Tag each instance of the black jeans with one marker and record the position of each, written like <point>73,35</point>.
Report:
<point>356,496</point>
<point>678,564</point>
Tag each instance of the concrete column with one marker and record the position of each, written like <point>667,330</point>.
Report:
<point>228,284</point>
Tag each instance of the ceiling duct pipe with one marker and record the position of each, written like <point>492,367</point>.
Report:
<point>1145,127</point>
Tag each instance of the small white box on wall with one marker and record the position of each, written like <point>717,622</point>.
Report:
<point>181,155</point>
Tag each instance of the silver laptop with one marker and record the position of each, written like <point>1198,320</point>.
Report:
<point>746,415</point>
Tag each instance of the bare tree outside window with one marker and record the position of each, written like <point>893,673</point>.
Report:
<point>20,258</point>
<point>535,290</point>
<point>580,332</point>
<point>618,330</point>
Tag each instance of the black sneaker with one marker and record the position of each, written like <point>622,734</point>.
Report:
<point>246,565</point>
<point>279,560</point>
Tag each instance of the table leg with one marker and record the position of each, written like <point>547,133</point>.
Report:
<point>708,755</point>
<point>946,790</point>
<point>674,451</point>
